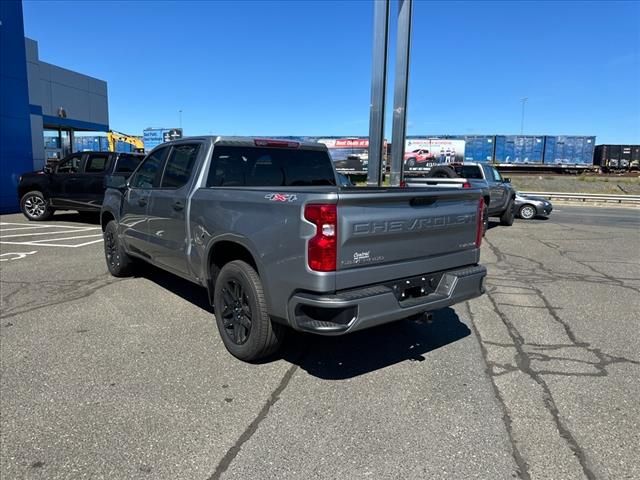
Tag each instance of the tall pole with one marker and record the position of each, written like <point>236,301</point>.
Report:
<point>524,101</point>
<point>401,87</point>
<point>378,90</point>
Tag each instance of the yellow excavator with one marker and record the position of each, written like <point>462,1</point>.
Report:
<point>119,142</point>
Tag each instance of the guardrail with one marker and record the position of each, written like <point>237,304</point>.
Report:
<point>588,197</point>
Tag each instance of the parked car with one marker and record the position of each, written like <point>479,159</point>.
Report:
<point>498,192</point>
<point>266,228</point>
<point>420,155</point>
<point>528,206</point>
<point>74,183</point>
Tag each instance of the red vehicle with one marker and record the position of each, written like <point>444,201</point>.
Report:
<point>421,155</point>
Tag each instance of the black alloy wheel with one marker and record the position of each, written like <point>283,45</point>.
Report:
<point>236,312</point>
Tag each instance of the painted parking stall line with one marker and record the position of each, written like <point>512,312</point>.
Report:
<point>49,235</point>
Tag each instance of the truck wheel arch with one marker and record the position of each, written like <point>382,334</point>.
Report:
<point>223,252</point>
<point>105,218</point>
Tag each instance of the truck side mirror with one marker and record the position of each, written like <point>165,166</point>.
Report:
<point>506,180</point>
<point>119,182</point>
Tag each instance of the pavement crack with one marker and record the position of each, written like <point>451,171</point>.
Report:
<point>564,254</point>
<point>537,272</point>
<point>523,362</point>
<point>233,452</point>
<point>523,359</point>
<point>52,293</point>
<point>521,463</point>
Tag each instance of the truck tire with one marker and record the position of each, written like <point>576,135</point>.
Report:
<point>241,314</point>
<point>35,207</point>
<point>411,162</point>
<point>118,262</point>
<point>442,172</point>
<point>506,219</point>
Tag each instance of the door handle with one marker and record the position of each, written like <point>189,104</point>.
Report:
<point>142,202</point>
<point>177,206</point>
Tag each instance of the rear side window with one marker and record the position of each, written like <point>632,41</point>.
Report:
<point>96,163</point>
<point>180,165</point>
<point>128,163</point>
<point>147,176</point>
<point>269,167</point>
<point>469,171</point>
<point>70,165</point>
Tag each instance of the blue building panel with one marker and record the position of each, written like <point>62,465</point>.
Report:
<point>569,150</point>
<point>16,156</point>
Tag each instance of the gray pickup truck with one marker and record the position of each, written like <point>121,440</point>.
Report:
<point>499,194</point>
<point>266,228</point>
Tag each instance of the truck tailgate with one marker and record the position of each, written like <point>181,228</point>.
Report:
<point>393,233</point>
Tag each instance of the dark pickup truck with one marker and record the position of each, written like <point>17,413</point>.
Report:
<point>268,229</point>
<point>75,183</point>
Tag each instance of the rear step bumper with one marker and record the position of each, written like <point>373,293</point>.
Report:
<point>353,310</point>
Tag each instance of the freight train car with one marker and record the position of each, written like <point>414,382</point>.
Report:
<point>519,149</point>
<point>617,157</point>
<point>569,150</point>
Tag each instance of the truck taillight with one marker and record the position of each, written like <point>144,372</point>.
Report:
<point>480,223</point>
<point>466,185</point>
<point>323,246</point>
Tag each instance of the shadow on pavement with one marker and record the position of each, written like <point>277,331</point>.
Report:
<point>338,358</point>
<point>189,291</point>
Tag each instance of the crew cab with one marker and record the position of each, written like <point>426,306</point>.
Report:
<point>270,231</point>
<point>75,183</point>
<point>499,194</point>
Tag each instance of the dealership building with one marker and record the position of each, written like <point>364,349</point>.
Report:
<point>42,106</point>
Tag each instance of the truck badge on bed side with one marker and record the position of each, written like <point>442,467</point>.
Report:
<point>281,197</point>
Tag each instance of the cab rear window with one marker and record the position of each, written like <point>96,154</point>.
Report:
<point>269,167</point>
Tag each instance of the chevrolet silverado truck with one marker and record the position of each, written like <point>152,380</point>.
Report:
<point>75,183</point>
<point>499,195</point>
<point>266,227</point>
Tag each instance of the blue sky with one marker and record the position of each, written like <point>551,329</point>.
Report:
<point>303,68</point>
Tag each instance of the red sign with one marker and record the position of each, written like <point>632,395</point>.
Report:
<point>353,142</point>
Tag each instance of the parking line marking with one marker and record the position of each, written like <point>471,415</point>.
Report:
<point>23,228</point>
<point>65,238</point>
<point>43,225</point>
<point>77,230</point>
<point>51,244</point>
<point>18,255</point>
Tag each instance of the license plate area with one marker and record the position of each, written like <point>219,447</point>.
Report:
<point>415,287</point>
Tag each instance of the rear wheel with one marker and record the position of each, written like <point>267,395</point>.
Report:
<point>241,313</point>
<point>35,207</point>
<point>506,219</point>
<point>527,212</point>
<point>118,262</point>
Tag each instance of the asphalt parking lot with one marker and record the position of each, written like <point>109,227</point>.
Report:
<point>127,378</point>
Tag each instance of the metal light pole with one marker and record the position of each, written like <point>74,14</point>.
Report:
<point>524,101</point>
<point>378,90</point>
<point>398,129</point>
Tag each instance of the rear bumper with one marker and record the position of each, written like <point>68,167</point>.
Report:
<point>357,309</point>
